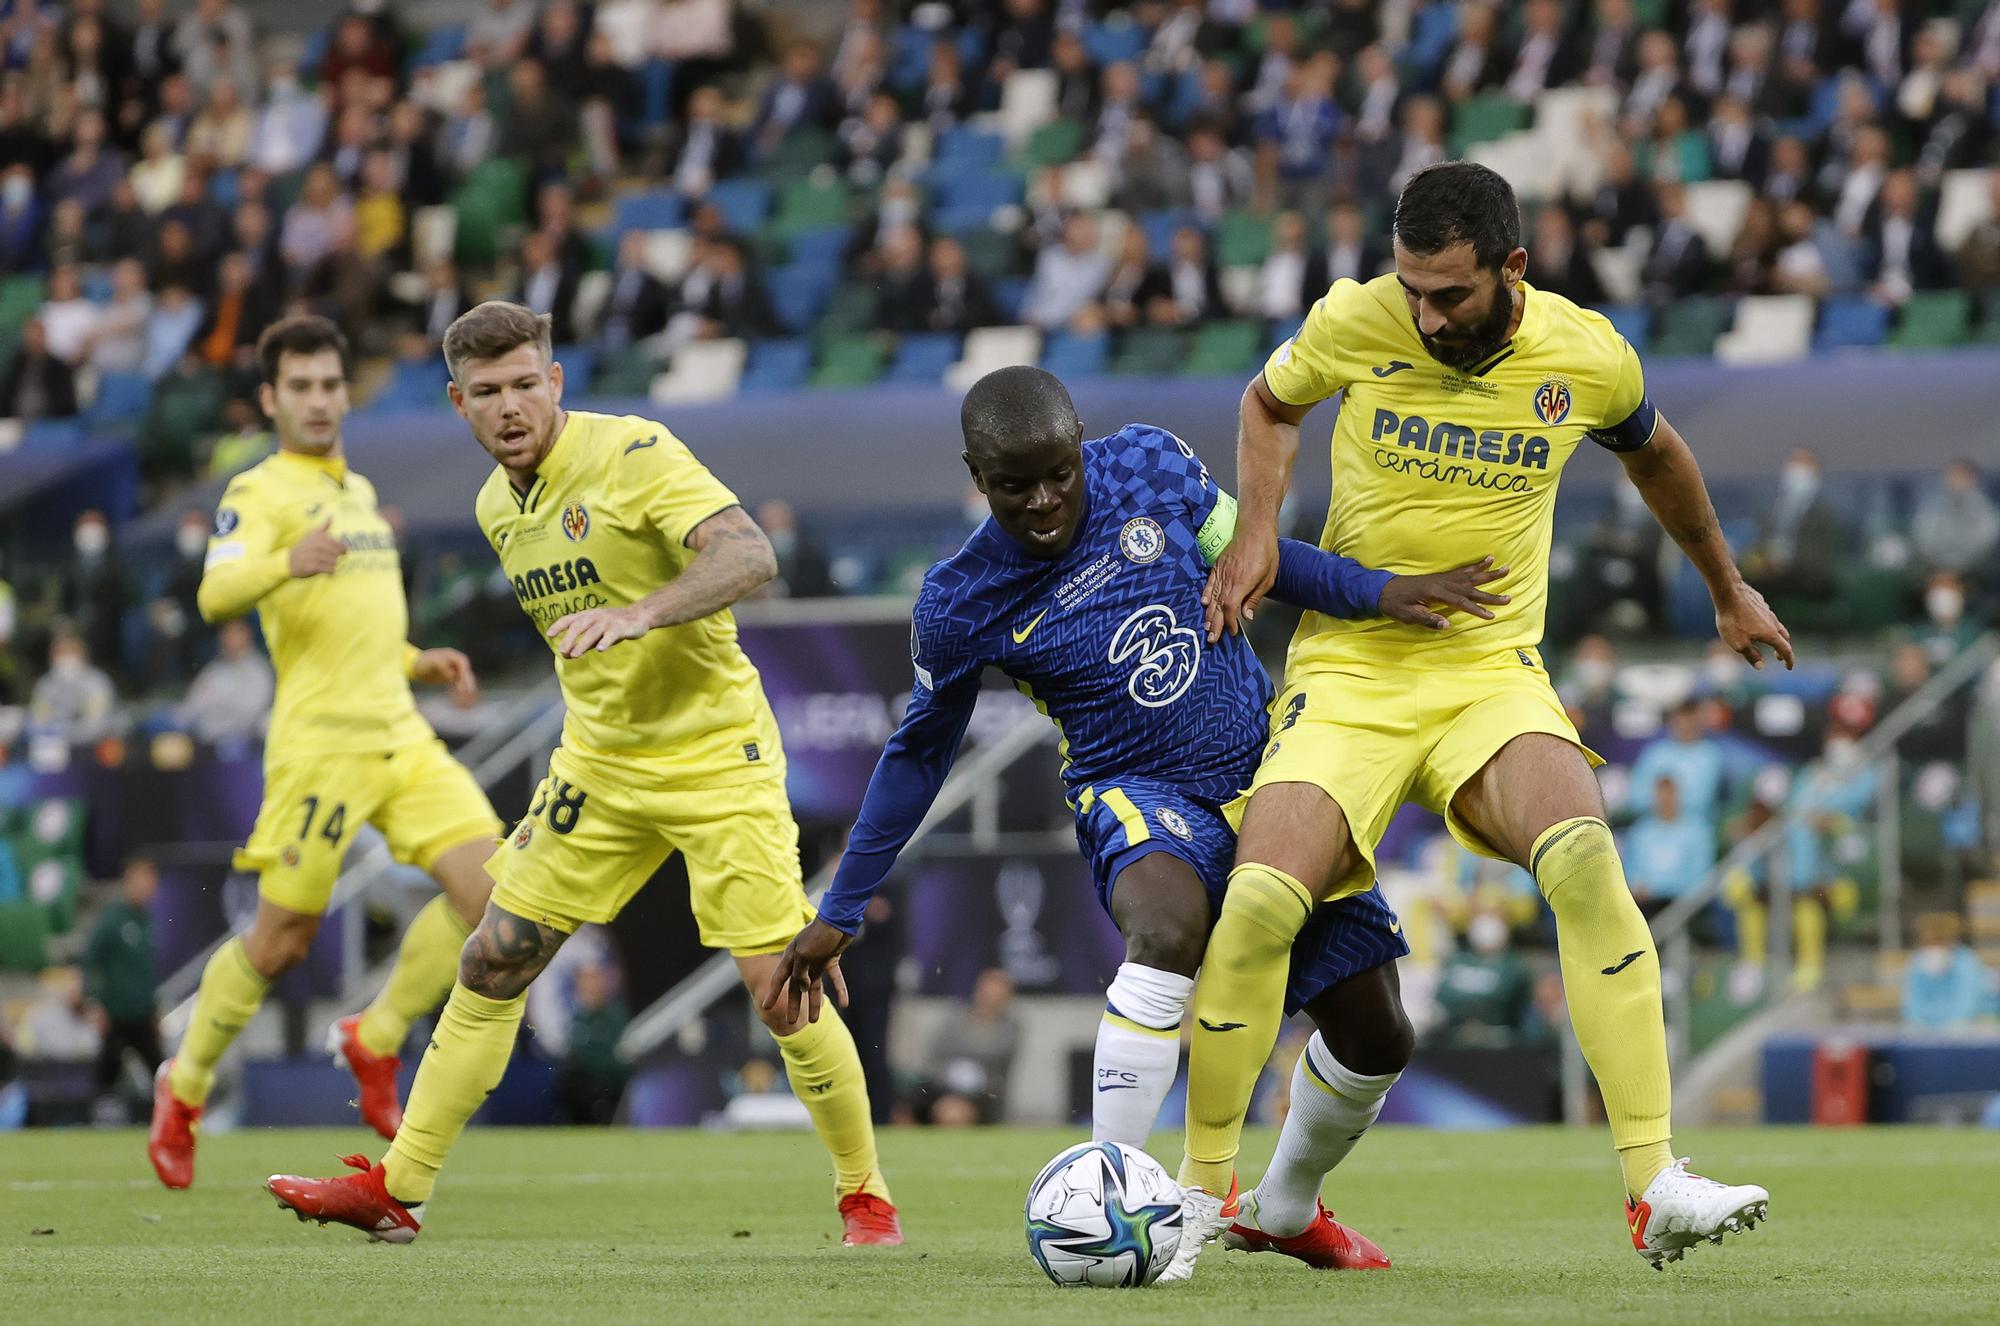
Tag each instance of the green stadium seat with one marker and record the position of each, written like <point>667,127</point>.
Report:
<point>1149,352</point>
<point>1242,240</point>
<point>804,203</point>
<point>491,199</point>
<point>1054,143</point>
<point>848,361</point>
<point>851,310</point>
<point>24,936</point>
<point>1225,349</point>
<point>1483,118</point>
<point>799,154</point>
<point>989,253</point>
<point>1934,318</point>
<point>184,408</point>
<point>627,372</point>
<point>20,296</point>
<point>1690,325</point>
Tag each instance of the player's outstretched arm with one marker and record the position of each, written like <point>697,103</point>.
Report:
<point>732,558</point>
<point>1267,442</point>
<point>1666,474</point>
<point>1310,577</point>
<point>444,667</point>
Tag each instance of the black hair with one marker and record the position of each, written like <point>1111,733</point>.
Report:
<point>303,334</point>
<point>1459,202</point>
<point>1015,406</point>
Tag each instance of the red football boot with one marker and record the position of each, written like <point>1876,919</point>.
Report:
<point>870,1221</point>
<point>170,1143</point>
<point>374,1074</point>
<point>1324,1245</point>
<point>359,1200</point>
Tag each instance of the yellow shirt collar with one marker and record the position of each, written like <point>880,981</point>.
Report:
<point>333,467</point>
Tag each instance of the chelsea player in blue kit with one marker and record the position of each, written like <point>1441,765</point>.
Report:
<point>1085,588</point>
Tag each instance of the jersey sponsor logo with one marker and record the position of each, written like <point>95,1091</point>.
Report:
<point>575,521</point>
<point>1175,823</point>
<point>1392,367</point>
<point>1168,654</point>
<point>1445,438</point>
<point>1552,401</point>
<point>226,521</point>
<point>1142,540</point>
<point>559,578</point>
<point>1021,636</point>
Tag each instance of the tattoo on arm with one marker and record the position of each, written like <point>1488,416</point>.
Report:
<point>506,953</point>
<point>732,558</point>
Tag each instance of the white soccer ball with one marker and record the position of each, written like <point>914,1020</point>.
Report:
<point>1103,1215</point>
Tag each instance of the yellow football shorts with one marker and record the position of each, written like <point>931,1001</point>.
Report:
<point>1373,742</point>
<point>424,802</point>
<point>598,828</point>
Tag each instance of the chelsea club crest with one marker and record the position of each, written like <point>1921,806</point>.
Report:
<point>1173,822</point>
<point>1141,540</point>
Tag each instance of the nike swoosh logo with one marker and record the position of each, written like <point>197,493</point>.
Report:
<point>1633,1221</point>
<point>1393,366</point>
<point>641,446</point>
<point>1625,962</point>
<point>1206,1025</point>
<point>1121,1086</point>
<point>1022,635</point>
<point>1396,927</point>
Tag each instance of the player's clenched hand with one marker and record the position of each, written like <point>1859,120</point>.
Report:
<point>1746,624</point>
<point>814,953</point>
<point>447,667</point>
<point>1243,575</point>
<point>317,553</point>
<point>1412,598</point>
<point>599,628</point>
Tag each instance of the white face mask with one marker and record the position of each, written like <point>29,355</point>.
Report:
<point>1595,673</point>
<point>1945,604</point>
<point>68,667</point>
<point>17,192</point>
<point>92,539</point>
<point>191,540</point>
<point>1487,934</point>
<point>1799,480</point>
<point>1934,960</point>
<point>1840,752</point>
<point>1721,670</point>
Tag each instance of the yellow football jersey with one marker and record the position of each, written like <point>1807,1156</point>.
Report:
<point>338,641</point>
<point>1433,468</point>
<point>605,524</point>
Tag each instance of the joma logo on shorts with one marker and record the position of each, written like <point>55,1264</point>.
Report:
<point>1456,440</point>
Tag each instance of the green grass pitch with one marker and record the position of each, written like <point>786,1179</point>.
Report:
<point>739,1230</point>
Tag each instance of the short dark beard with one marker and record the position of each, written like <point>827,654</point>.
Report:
<point>1482,343</point>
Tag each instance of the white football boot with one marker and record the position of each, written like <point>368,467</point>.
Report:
<point>1680,1209</point>
<point>1203,1216</point>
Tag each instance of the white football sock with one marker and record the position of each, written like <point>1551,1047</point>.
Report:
<point>1331,1108</point>
<point>1138,1051</point>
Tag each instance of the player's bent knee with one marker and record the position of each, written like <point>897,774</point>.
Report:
<point>1376,1047</point>
<point>1167,943</point>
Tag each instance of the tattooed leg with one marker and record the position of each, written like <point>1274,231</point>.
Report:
<point>506,953</point>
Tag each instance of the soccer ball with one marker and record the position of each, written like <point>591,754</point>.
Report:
<point>1103,1215</point>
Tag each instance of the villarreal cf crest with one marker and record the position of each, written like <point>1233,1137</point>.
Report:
<point>1552,401</point>
<point>576,519</point>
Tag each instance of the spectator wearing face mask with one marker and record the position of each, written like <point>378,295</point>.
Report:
<point>1590,683</point>
<point>1945,987</point>
<point>1946,629</point>
<point>1957,528</point>
<point>1668,852</point>
<point>93,592</point>
<point>1484,990</point>
<point>73,701</point>
<point>1800,539</point>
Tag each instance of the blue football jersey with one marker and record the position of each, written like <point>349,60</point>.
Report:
<point>1108,638</point>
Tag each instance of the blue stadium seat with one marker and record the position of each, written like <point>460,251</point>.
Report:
<point>910,57</point>
<point>1160,228</point>
<point>1008,294</point>
<point>415,384</point>
<point>798,292</point>
<point>579,365</point>
<point>958,220</point>
<point>444,45</point>
<point>122,399</point>
<point>969,146</point>
<point>923,359</point>
<point>1117,39</point>
<point>983,188</point>
<point>821,245</point>
<point>97,284</point>
<point>223,189</point>
<point>51,435</point>
<point>1851,321</point>
<point>654,209</point>
<point>744,203</point>
<point>312,51</point>
<point>777,365</point>
<point>1633,321</point>
<point>1068,355</point>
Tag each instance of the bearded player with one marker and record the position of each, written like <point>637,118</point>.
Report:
<point>1085,589</point>
<point>627,554</point>
<point>1466,392</point>
<point>299,541</point>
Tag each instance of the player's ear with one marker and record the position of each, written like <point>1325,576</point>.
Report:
<point>452,390</point>
<point>1514,268</point>
<point>555,380</point>
<point>267,397</point>
<point>972,467</point>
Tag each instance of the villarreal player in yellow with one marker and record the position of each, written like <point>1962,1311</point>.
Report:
<point>299,541</point>
<point>627,554</point>
<point>1466,392</point>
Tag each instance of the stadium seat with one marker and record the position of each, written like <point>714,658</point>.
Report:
<point>415,384</point>
<point>492,198</point>
<point>51,434</point>
<point>813,202</point>
<point>1769,329</point>
<point>976,188</point>
<point>701,371</point>
<point>778,364</point>
<point>652,209</point>
<point>1934,318</point>
<point>626,372</point>
<point>1069,355</point>
<point>1715,209</point>
<point>1851,322</point>
<point>1633,321</point>
<point>1116,39</point>
<point>1009,293</point>
<point>656,86</point>
<point>1243,239</point>
<point>1053,143</point>
<point>851,308</point>
<point>20,296</point>
<point>848,361</point>
<point>1619,271</point>
<point>1965,198</point>
<point>122,400</point>
<point>444,45</point>
<point>433,233</point>
<point>968,148</point>
<point>1483,118</point>
<point>798,292</point>
<point>1239,288</point>
<point>1689,326</point>
<point>1148,352</point>
<point>988,348</point>
<point>1027,102</point>
<point>989,253</point>
<point>924,358</point>
<point>1086,184</point>
<point>1160,228</point>
<point>961,221</point>
<point>1225,349</point>
<point>824,245</point>
<point>668,253</point>
<point>800,153</point>
<point>579,362</point>
<point>743,203</point>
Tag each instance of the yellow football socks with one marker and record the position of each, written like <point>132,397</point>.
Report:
<point>468,1053</point>
<point>824,1069</point>
<point>1611,979</point>
<point>231,991</point>
<point>1745,898</point>
<point>426,966</point>
<point>1238,1005</point>
<point>1808,942</point>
